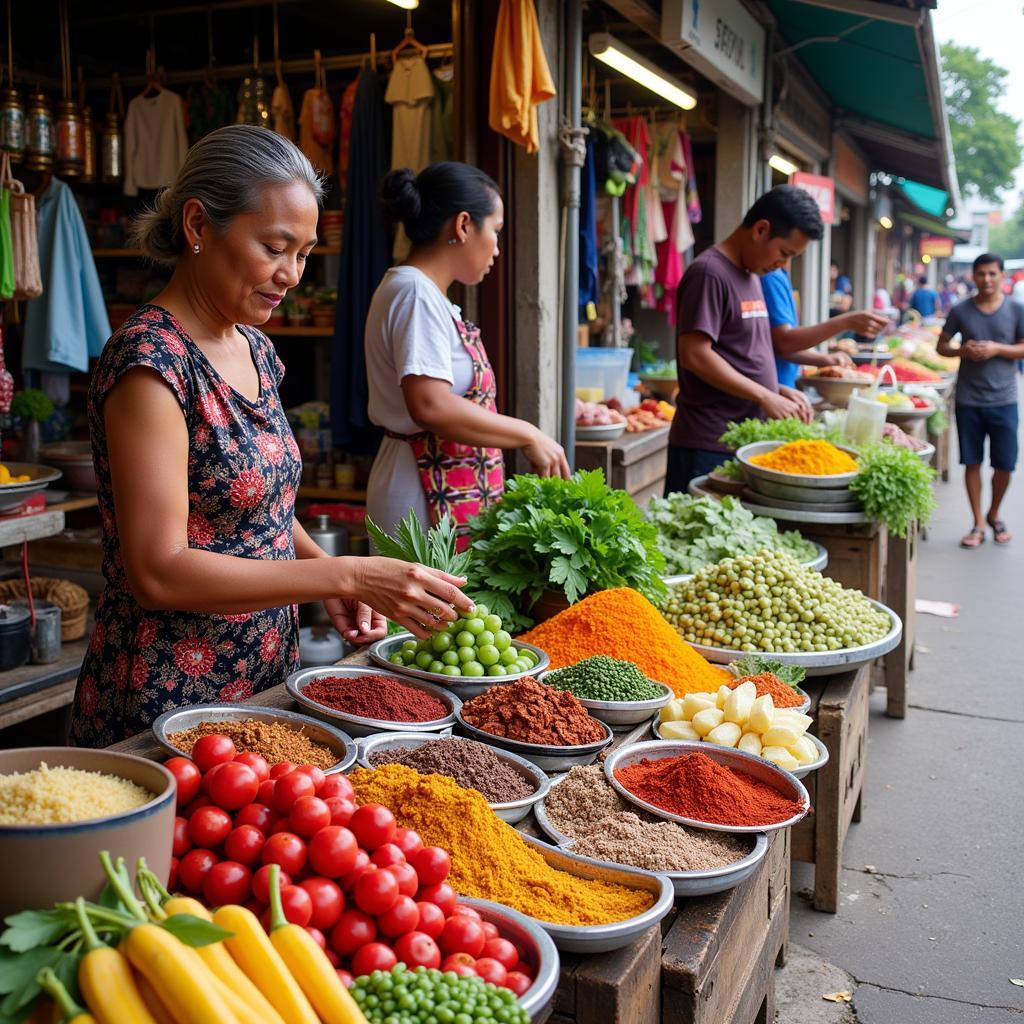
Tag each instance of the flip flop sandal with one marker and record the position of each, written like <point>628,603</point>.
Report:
<point>999,532</point>
<point>974,539</point>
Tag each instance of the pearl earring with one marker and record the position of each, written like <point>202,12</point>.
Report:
<point>195,248</point>
<point>453,241</point>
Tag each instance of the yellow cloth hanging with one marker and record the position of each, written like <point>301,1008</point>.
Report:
<point>520,78</point>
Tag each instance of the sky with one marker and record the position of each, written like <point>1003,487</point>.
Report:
<point>996,28</point>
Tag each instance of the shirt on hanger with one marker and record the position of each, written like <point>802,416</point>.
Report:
<point>155,141</point>
<point>410,92</point>
<point>314,139</point>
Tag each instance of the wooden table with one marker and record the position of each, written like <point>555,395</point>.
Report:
<point>635,463</point>
<point>33,690</point>
<point>901,596</point>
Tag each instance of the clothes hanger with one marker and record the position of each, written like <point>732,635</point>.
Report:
<point>153,75</point>
<point>408,40</point>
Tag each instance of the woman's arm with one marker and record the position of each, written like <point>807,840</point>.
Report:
<point>147,444</point>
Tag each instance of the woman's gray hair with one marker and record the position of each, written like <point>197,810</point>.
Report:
<point>226,171</point>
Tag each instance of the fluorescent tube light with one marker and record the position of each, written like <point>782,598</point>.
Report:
<point>408,5</point>
<point>609,50</point>
<point>782,165</point>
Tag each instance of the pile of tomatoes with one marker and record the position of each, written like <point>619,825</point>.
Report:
<point>369,892</point>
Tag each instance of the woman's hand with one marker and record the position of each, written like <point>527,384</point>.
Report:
<point>546,456</point>
<point>357,622</point>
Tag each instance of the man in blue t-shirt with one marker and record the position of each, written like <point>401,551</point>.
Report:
<point>925,299</point>
<point>793,344</point>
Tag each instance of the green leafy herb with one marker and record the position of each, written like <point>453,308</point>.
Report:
<point>894,485</point>
<point>32,404</point>
<point>194,931</point>
<point>435,548</point>
<point>574,535</point>
<point>738,434</point>
<point>33,928</point>
<point>938,422</point>
<point>730,469</point>
<point>694,532</point>
<point>755,664</point>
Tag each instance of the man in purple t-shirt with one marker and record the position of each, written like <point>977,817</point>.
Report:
<point>724,347</point>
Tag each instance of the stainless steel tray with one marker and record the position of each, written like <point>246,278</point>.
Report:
<point>550,758</point>
<point>357,725</point>
<point>818,562</point>
<point>750,469</point>
<point>12,495</point>
<point>756,767</point>
<point>602,938</point>
<point>798,492</point>
<point>698,487</point>
<point>820,663</point>
<point>685,883</point>
<point>465,686</point>
<point>535,948</point>
<point>624,713</point>
<point>512,811</point>
<point>606,432</point>
<point>180,719</point>
<point>784,505</point>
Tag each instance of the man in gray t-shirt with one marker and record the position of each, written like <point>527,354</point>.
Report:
<point>991,330</point>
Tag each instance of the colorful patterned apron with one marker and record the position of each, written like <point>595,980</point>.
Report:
<point>460,480</point>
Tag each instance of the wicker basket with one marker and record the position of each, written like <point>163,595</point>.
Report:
<point>72,600</point>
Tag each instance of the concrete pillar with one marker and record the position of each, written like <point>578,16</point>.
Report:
<point>736,164</point>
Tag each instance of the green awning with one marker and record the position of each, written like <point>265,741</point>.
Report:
<point>934,201</point>
<point>933,226</point>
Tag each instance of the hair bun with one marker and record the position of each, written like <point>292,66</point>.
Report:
<point>401,195</point>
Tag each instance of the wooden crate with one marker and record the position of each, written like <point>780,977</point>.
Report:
<point>901,595</point>
<point>839,706</point>
<point>635,463</point>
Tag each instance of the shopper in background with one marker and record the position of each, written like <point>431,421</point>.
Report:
<point>840,291</point>
<point>991,330</point>
<point>431,386</point>
<point>724,344</point>
<point>198,469</point>
<point>925,298</point>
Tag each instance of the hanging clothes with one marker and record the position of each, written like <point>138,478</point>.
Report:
<point>282,113</point>
<point>155,141</point>
<point>442,115</point>
<point>208,110</point>
<point>364,259</point>
<point>589,282</point>
<point>345,104</point>
<point>316,129</point>
<point>6,248</point>
<point>520,78</point>
<point>672,173</point>
<point>67,323</point>
<point>692,199</point>
<point>638,247</point>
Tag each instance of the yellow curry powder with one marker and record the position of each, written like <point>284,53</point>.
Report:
<point>808,458</point>
<point>490,860</point>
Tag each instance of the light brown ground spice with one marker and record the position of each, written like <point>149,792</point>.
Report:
<point>271,740</point>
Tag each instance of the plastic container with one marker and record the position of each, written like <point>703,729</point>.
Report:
<point>865,418</point>
<point>14,636</point>
<point>602,369</point>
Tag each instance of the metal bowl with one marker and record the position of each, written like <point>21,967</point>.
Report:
<point>548,757</point>
<point>623,713</point>
<point>798,492</point>
<point>820,663</point>
<point>803,707</point>
<point>818,562</point>
<point>357,725</point>
<point>756,767</point>
<point>835,390</point>
<point>465,686</point>
<point>180,719</point>
<point>605,432</point>
<point>751,469</point>
<point>780,505</point>
<point>12,495</point>
<point>511,811</point>
<point>535,946</point>
<point>602,938</point>
<point>866,357</point>
<point>926,453</point>
<point>897,414</point>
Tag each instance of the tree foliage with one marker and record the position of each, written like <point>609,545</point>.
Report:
<point>1007,238</point>
<point>985,140</point>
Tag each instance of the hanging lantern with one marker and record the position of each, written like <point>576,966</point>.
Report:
<point>12,124</point>
<point>88,146</point>
<point>112,141</point>
<point>69,134</point>
<point>39,134</point>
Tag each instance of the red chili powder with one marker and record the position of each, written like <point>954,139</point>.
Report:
<point>695,786</point>
<point>373,696</point>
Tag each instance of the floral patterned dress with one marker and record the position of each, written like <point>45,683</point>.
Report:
<point>243,472</point>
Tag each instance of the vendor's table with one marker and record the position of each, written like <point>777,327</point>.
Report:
<point>940,460</point>
<point>901,596</point>
<point>33,690</point>
<point>635,463</point>
<point>839,707</point>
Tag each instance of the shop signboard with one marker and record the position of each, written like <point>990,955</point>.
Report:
<point>822,189</point>
<point>936,246</point>
<point>722,40</point>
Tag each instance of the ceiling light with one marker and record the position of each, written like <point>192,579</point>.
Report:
<point>779,163</point>
<point>409,5</point>
<point>617,55</point>
<point>926,258</point>
<point>886,222</point>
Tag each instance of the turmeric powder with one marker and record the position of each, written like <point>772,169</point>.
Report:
<point>623,624</point>
<point>490,860</point>
<point>808,458</point>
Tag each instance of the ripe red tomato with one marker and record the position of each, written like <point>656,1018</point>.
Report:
<point>503,951</point>
<point>337,785</point>
<point>286,849</point>
<point>467,911</point>
<point>376,892</point>
<point>462,934</point>
<point>340,808</point>
<point>328,901</point>
<point>280,825</point>
<point>415,949</point>
<point>491,970</point>
<point>490,930</point>
<point>402,918</point>
<point>353,931</point>
<point>288,789</point>
<point>408,841</point>
<point>374,956</point>
<point>245,844</point>
<point>317,936</point>
<point>432,864</point>
<point>181,843</point>
<point>258,815</point>
<point>408,883</point>
<point>194,867</point>
<point>261,883</point>
<point>209,826</point>
<point>232,785</point>
<point>359,868</point>
<point>387,855</point>
<point>518,983</point>
<point>373,825</point>
<point>200,801</point>
<point>462,971</point>
<point>172,878</point>
<point>308,815</point>
<point>265,794</point>
<point>257,762</point>
<point>454,960</point>
<point>443,895</point>
<point>316,774</point>
<point>431,919</point>
<point>227,882</point>
<point>297,904</point>
<point>281,769</point>
<point>187,777</point>
<point>213,749</point>
<point>524,968</point>
<point>332,851</point>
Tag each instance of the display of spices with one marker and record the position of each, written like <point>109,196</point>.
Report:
<point>490,859</point>
<point>604,678</point>
<point>52,796</point>
<point>783,695</point>
<point>531,712</point>
<point>375,696</point>
<point>273,741</point>
<point>623,624</point>
<point>807,458</point>
<point>696,786</point>
<point>587,809</point>
<point>472,765</point>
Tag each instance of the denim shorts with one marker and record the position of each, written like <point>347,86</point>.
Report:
<point>999,423</point>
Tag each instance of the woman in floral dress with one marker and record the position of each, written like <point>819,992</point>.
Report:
<point>197,466</point>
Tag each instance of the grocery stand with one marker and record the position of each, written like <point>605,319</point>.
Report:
<point>634,463</point>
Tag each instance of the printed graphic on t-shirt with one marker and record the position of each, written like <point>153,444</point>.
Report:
<point>753,309</point>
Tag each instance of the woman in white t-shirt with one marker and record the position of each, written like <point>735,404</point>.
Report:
<point>431,386</point>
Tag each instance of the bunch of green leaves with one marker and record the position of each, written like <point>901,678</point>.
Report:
<point>738,434</point>
<point>662,368</point>
<point>32,404</point>
<point>894,485</point>
<point>694,532</point>
<point>576,535</point>
<point>434,548</point>
<point>755,664</point>
<point>730,469</point>
<point>938,422</point>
